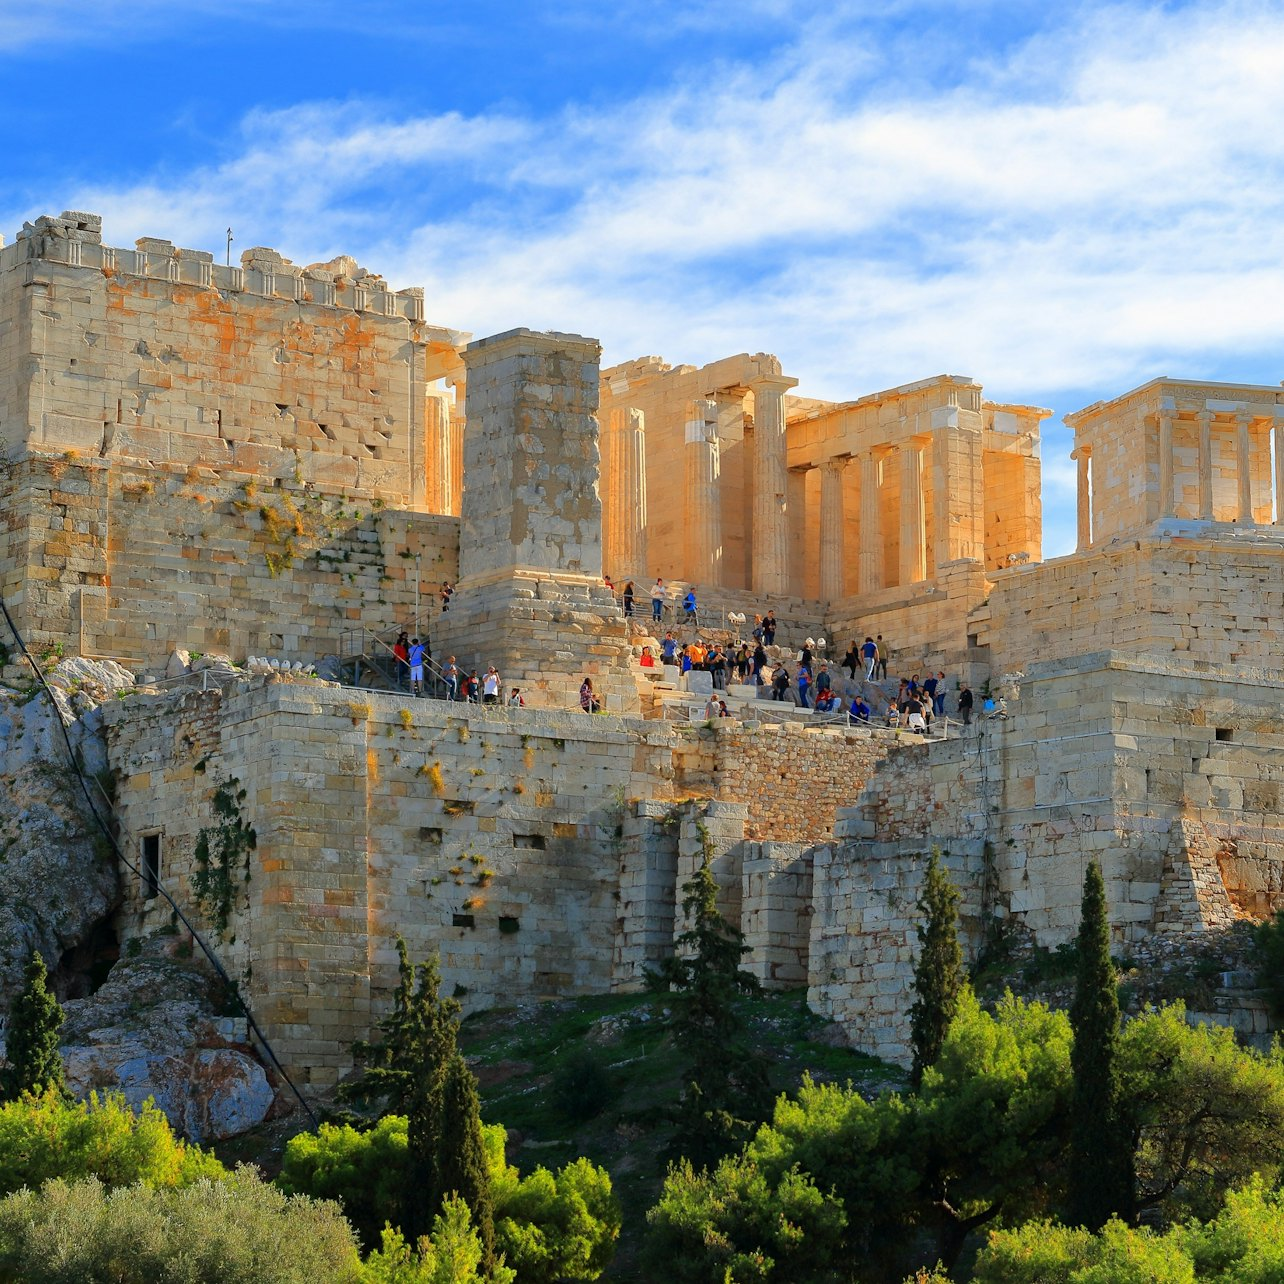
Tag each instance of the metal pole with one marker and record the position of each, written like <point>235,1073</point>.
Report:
<point>229,247</point>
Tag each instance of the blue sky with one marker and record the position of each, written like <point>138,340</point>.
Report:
<point>1060,200</point>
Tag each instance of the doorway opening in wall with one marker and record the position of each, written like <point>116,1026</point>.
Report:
<point>149,864</point>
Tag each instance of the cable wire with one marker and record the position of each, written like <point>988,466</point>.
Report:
<point>133,869</point>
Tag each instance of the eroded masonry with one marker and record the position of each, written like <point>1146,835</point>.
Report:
<point>274,461</point>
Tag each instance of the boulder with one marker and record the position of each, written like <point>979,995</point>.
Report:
<point>153,1029</point>
<point>179,664</point>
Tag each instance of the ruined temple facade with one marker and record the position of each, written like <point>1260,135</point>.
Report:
<point>278,460</point>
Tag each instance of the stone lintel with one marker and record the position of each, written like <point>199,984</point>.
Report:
<point>547,342</point>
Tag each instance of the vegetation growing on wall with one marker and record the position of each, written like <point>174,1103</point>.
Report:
<point>223,856</point>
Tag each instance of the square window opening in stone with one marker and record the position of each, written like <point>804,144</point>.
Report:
<point>462,920</point>
<point>149,864</point>
<point>509,925</point>
<point>430,834</point>
<point>458,806</point>
<point>533,841</point>
<point>1225,733</point>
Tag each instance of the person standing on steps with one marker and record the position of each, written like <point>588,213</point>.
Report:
<point>938,696</point>
<point>869,652</point>
<point>851,659</point>
<point>451,676</point>
<point>657,599</point>
<point>401,660</point>
<point>416,658</point>
<point>491,686</point>
<point>965,704</point>
<point>628,600</point>
<point>769,629</point>
<point>884,654</point>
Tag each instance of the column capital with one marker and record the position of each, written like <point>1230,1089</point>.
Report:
<point>780,382</point>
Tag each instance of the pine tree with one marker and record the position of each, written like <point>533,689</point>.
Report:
<point>31,1047</point>
<point>1101,1179</point>
<point>416,1070</point>
<point>938,975</point>
<point>727,1089</point>
<point>462,1167</point>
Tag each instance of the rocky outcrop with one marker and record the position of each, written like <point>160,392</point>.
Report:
<point>60,876</point>
<point>155,1029</point>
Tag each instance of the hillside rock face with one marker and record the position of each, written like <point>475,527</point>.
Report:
<point>59,876</point>
<point>152,1030</point>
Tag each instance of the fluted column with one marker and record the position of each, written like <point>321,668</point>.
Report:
<point>704,508</point>
<point>870,560</point>
<point>624,494</point>
<point>1165,463</point>
<point>831,529</point>
<point>1243,473</point>
<point>913,543</point>
<point>1206,465</point>
<point>438,454</point>
<point>1278,430</point>
<point>770,486</point>
<point>1083,456</point>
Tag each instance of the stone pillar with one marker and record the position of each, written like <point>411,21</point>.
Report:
<point>1206,465</point>
<point>831,529</point>
<point>870,560</point>
<point>1165,463</point>
<point>1278,431</point>
<point>624,495</point>
<point>704,503</point>
<point>770,487</point>
<point>439,450</point>
<point>1083,456</point>
<point>1243,472</point>
<point>913,543</point>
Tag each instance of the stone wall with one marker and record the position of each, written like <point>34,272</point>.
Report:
<point>128,561</point>
<point>1204,595</point>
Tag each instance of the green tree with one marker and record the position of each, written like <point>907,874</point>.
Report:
<point>1268,955</point>
<point>227,1232</point>
<point>1100,1170</point>
<point>451,1255</point>
<point>411,1069</point>
<point>42,1138</point>
<point>938,974</point>
<point>727,1090</point>
<point>34,1062</point>
<point>461,1166</point>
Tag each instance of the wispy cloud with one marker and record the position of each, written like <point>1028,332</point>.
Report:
<point>1093,203</point>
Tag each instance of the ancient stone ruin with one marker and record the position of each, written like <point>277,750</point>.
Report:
<point>283,466</point>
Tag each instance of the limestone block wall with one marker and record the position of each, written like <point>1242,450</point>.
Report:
<point>791,781</point>
<point>1170,778</point>
<point>160,355</point>
<point>1199,596</point>
<point>777,911</point>
<point>494,838</point>
<point>124,560</point>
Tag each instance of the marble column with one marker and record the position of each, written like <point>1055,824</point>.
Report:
<point>704,501</point>
<point>770,486</point>
<point>913,544</point>
<point>1165,463</point>
<point>870,560</point>
<point>1206,465</point>
<point>439,454</point>
<point>1278,432</point>
<point>1083,456</point>
<point>624,494</point>
<point>1243,473</point>
<point>831,529</point>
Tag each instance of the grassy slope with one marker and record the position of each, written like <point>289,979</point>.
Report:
<point>522,1057</point>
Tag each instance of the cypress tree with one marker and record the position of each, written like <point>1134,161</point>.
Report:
<point>938,975</point>
<point>727,1089</point>
<point>31,1046</point>
<point>1101,1178</point>
<point>461,1169</point>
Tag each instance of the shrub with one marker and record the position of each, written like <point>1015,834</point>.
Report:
<point>237,1231</point>
<point>46,1137</point>
<point>451,1255</point>
<point>1268,954</point>
<point>582,1086</point>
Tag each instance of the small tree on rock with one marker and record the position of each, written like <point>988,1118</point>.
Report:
<point>31,1046</point>
<point>1101,1178</point>
<point>938,975</point>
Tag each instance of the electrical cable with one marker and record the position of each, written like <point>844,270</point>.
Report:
<point>133,869</point>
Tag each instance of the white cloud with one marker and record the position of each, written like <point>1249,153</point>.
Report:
<point>1086,208</point>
